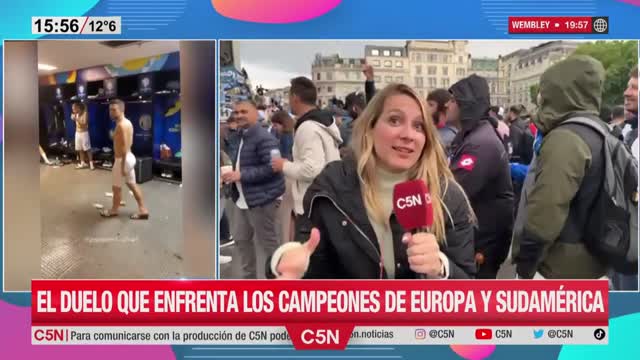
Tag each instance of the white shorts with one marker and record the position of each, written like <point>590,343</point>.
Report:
<point>83,142</point>
<point>129,170</point>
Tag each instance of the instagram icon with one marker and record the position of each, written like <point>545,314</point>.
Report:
<point>421,334</point>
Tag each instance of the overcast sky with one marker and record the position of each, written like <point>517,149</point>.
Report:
<point>273,63</point>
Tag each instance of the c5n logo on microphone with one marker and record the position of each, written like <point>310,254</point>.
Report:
<point>412,205</point>
<point>413,200</point>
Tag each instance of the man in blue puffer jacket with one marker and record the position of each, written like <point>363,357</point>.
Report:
<point>257,190</point>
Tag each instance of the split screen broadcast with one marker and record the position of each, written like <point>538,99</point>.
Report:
<point>413,159</point>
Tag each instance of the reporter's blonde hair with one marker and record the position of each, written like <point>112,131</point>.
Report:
<point>432,166</point>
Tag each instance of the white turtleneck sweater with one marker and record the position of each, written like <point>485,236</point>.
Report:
<point>385,181</point>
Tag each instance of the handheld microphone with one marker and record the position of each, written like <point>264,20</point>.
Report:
<point>413,208</point>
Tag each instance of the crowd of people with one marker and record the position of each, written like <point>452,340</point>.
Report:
<point>314,187</point>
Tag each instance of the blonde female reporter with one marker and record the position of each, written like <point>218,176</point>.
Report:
<point>356,235</point>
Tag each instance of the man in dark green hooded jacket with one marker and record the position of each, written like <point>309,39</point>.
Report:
<point>564,177</point>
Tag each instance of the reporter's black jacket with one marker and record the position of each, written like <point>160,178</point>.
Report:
<point>348,246</point>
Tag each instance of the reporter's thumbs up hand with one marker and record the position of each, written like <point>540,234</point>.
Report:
<point>294,262</point>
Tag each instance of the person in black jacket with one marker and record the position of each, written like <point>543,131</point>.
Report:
<point>480,165</point>
<point>356,235</point>
<point>520,136</point>
<point>520,144</point>
<point>257,189</point>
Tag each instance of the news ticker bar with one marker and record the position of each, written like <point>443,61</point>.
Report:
<point>521,335</point>
<point>361,303</point>
<point>559,25</point>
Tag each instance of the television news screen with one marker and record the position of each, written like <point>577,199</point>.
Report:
<point>360,179</point>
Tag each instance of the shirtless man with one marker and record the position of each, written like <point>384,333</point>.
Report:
<point>123,166</point>
<point>83,143</point>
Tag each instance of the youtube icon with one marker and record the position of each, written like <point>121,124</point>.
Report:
<point>484,334</point>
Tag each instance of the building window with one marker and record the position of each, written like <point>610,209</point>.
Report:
<point>397,53</point>
<point>418,57</point>
<point>398,64</point>
<point>432,70</point>
<point>329,89</point>
<point>377,79</point>
<point>399,79</point>
<point>386,53</point>
<point>375,52</point>
<point>318,76</point>
<point>418,69</point>
<point>445,70</point>
<point>460,59</point>
<point>460,72</point>
<point>433,58</point>
<point>346,75</point>
<point>419,82</point>
<point>433,82</point>
<point>376,63</point>
<point>329,76</point>
<point>445,82</point>
<point>387,63</point>
<point>388,79</point>
<point>445,58</point>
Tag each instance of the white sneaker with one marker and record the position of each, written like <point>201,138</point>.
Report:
<point>225,259</point>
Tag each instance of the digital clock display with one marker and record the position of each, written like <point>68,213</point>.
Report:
<point>579,25</point>
<point>76,25</point>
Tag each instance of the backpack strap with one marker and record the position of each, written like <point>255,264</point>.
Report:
<point>593,124</point>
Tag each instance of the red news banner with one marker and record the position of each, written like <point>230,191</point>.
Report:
<point>557,25</point>
<point>304,307</point>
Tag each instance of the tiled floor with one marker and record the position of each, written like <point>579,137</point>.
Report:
<point>77,243</point>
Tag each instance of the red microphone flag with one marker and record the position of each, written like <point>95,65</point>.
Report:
<point>412,205</point>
